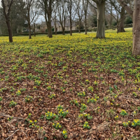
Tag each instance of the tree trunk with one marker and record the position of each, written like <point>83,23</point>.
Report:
<point>55,27</point>
<point>101,19</point>
<point>34,30</point>
<point>121,22</point>
<point>29,27</point>
<point>127,8</point>
<point>136,28</point>
<point>9,30</point>
<point>70,26</point>
<point>7,11</point>
<point>55,30</point>
<point>111,18</point>
<point>49,28</point>
<point>63,30</point>
<point>79,25</point>
<point>85,24</point>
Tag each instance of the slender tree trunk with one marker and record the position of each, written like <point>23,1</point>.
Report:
<point>101,19</point>
<point>49,28</point>
<point>70,26</point>
<point>121,22</point>
<point>55,26</point>
<point>29,28</point>
<point>46,22</point>
<point>136,28</point>
<point>63,30</point>
<point>85,3</point>
<point>79,25</point>
<point>70,15</point>
<point>34,30</point>
<point>9,30</point>
<point>29,22</point>
<point>55,30</point>
<point>111,18</point>
<point>85,24</point>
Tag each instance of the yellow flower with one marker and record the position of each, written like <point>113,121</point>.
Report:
<point>136,120</point>
<point>133,124</point>
<point>64,132</point>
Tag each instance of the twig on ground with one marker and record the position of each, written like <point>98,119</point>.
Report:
<point>12,134</point>
<point>8,116</point>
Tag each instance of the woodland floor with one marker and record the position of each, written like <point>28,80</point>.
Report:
<point>77,88</point>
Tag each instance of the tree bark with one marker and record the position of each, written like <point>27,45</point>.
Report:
<point>85,4</point>
<point>9,30</point>
<point>63,30</point>
<point>55,26</point>
<point>85,24</point>
<point>70,14</point>
<point>55,30</point>
<point>29,22</point>
<point>101,19</point>
<point>29,27</point>
<point>34,30</point>
<point>121,22</point>
<point>49,28</point>
<point>79,25</point>
<point>6,11</point>
<point>111,18</point>
<point>70,25</point>
<point>127,8</point>
<point>136,28</point>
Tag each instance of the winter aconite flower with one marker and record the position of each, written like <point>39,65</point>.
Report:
<point>123,113</point>
<point>86,125</point>
<point>65,135</point>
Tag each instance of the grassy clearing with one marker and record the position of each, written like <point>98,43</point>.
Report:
<point>115,31</point>
<point>66,87</point>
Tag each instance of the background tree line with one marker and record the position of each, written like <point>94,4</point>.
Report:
<point>87,12</point>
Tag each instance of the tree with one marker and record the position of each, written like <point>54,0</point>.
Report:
<point>7,10</point>
<point>54,17</point>
<point>92,15</point>
<point>136,28</point>
<point>3,26</point>
<point>62,14</point>
<point>70,10</point>
<point>85,4</point>
<point>100,18</point>
<point>136,24</point>
<point>29,13</point>
<point>127,8</point>
<point>121,11</point>
<point>79,12</point>
<point>47,7</point>
<point>120,27</point>
<point>17,20</point>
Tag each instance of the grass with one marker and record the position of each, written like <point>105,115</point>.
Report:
<point>114,31</point>
<point>70,87</point>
